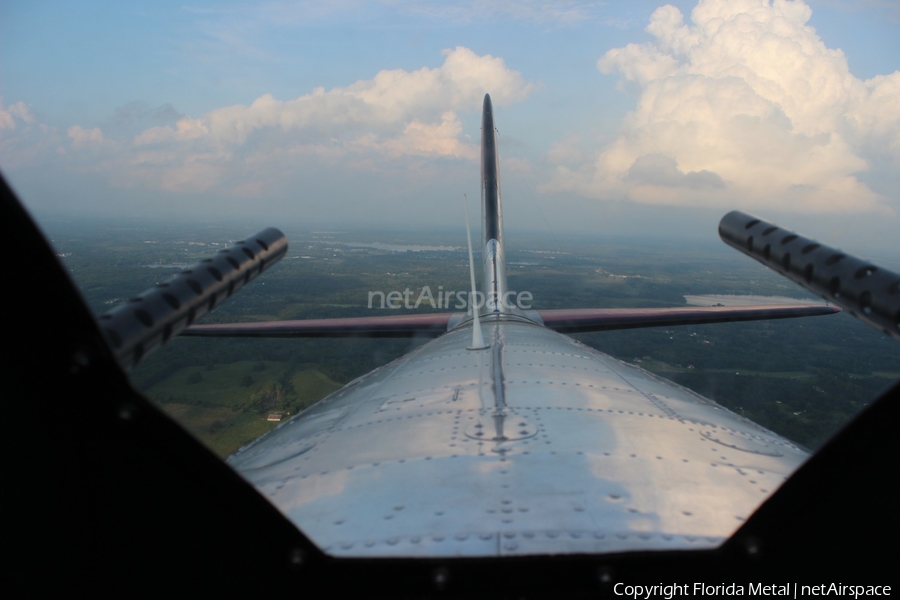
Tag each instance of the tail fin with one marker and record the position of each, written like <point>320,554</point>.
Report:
<point>492,216</point>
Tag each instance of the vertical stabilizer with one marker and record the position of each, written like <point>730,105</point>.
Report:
<point>492,216</point>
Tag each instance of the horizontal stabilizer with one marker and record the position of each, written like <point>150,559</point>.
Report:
<point>567,320</point>
<point>577,320</point>
<point>393,326</point>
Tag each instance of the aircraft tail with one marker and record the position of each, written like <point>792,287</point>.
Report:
<point>495,290</point>
<point>493,259</point>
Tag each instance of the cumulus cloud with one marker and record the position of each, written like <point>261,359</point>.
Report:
<point>389,104</point>
<point>23,140</point>
<point>6,120</point>
<point>185,129</point>
<point>747,106</point>
<point>82,137</point>
<point>656,169</point>
<point>396,113</point>
<point>14,112</point>
<point>239,150</point>
<point>424,139</point>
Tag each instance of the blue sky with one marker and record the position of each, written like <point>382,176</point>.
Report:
<point>620,117</point>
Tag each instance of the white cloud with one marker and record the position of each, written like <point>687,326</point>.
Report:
<point>23,141</point>
<point>185,129</point>
<point>424,139</point>
<point>396,119</point>
<point>6,120</point>
<point>82,137</point>
<point>746,106</point>
<point>397,113</point>
<point>388,103</point>
<point>21,110</point>
<point>9,115</point>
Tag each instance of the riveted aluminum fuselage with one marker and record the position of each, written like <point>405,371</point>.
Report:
<point>537,444</point>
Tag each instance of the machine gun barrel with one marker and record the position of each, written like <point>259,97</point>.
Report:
<point>868,292</point>
<point>145,322</point>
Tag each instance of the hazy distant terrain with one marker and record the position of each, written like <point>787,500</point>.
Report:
<point>745,300</point>
<point>802,378</point>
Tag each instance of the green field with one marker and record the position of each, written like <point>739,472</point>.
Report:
<point>226,406</point>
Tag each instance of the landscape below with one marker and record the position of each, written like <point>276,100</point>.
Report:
<point>802,378</point>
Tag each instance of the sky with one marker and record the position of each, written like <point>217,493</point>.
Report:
<point>615,118</point>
